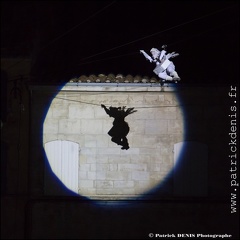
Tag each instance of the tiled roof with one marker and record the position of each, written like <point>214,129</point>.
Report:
<point>111,78</point>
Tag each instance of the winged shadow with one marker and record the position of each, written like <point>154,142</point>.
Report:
<point>120,128</point>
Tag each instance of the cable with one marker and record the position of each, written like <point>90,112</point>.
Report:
<point>141,107</point>
<point>148,36</point>
<point>173,43</point>
<point>198,34</point>
<point>93,15</point>
<point>100,104</point>
<point>54,40</point>
<point>137,52</point>
<point>21,60</point>
<point>123,55</point>
<point>77,101</point>
<point>154,34</point>
<point>183,40</point>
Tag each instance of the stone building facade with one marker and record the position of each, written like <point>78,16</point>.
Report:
<point>118,193</point>
<point>105,171</point>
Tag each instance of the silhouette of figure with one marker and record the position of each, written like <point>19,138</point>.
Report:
<point>120,128</point>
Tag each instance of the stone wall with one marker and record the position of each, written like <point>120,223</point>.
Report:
<point>105,170</point>
<point>36,206</point>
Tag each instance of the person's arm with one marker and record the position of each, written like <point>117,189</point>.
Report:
<point>106,110</point>
<point>130,111</point>
<point>146,55</point>
<point>172,55</point>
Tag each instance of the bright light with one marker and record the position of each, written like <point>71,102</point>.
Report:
<point>80,151</point>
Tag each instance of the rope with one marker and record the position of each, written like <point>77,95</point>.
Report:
<point>93,15</point>
<point>154,34</point>
<point>128,43</point>
<point>100,104</point>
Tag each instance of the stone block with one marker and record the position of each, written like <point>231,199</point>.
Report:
<point>101,175</point>
<point>137,127</point>
<point>99,113</point>
<point>85,167</point>
<point>68,126</point>
<point>104,184</point>
<point>145,141</point>
<point>175,127</point>
<point>87,191</point>
<point>119,100</point>
<point>91,175</point>
<point>102,167</point>
<point>154,167</point>
<point>90,141</point>
<point>93,167</point>
<point>101,159</point>
<point>115,175</point>
<point>140,175</point>
<point>166,113</point>
<point>91,126</point>
<point>50,126</point>
<point>135,99</point>
<point>83,183</point>
<point>156,127</point>
<point>80,112</point>
<point>143,113</point>
<point>107,124</point>
<point>123,184</point>
<point>131,151</point>
<point>170,99</point>
<point>115,192</point>
<point>113,150</point>
<point>151,99</point>
<point>88,151</point>
<point>115,158</point>
<point>82,175</point>
<point>113,166</point>
<point>90,158</point>
<point>59,111</point>
<point>132,167</point>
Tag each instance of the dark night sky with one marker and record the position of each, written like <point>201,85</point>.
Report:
<point>70,38</point>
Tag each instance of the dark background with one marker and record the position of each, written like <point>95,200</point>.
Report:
<point>67,39</point>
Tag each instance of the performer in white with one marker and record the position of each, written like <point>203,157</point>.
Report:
<point>165,69</point>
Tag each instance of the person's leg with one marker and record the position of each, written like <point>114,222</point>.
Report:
<point>164,76</point>
<point>172,72</point>
<point>117,140</point>
<point>125,143</point>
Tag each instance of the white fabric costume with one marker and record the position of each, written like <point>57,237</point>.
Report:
<point>165,69</point>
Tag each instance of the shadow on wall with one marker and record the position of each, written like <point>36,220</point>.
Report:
<point>201,173</point>
<point>120,128</point>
